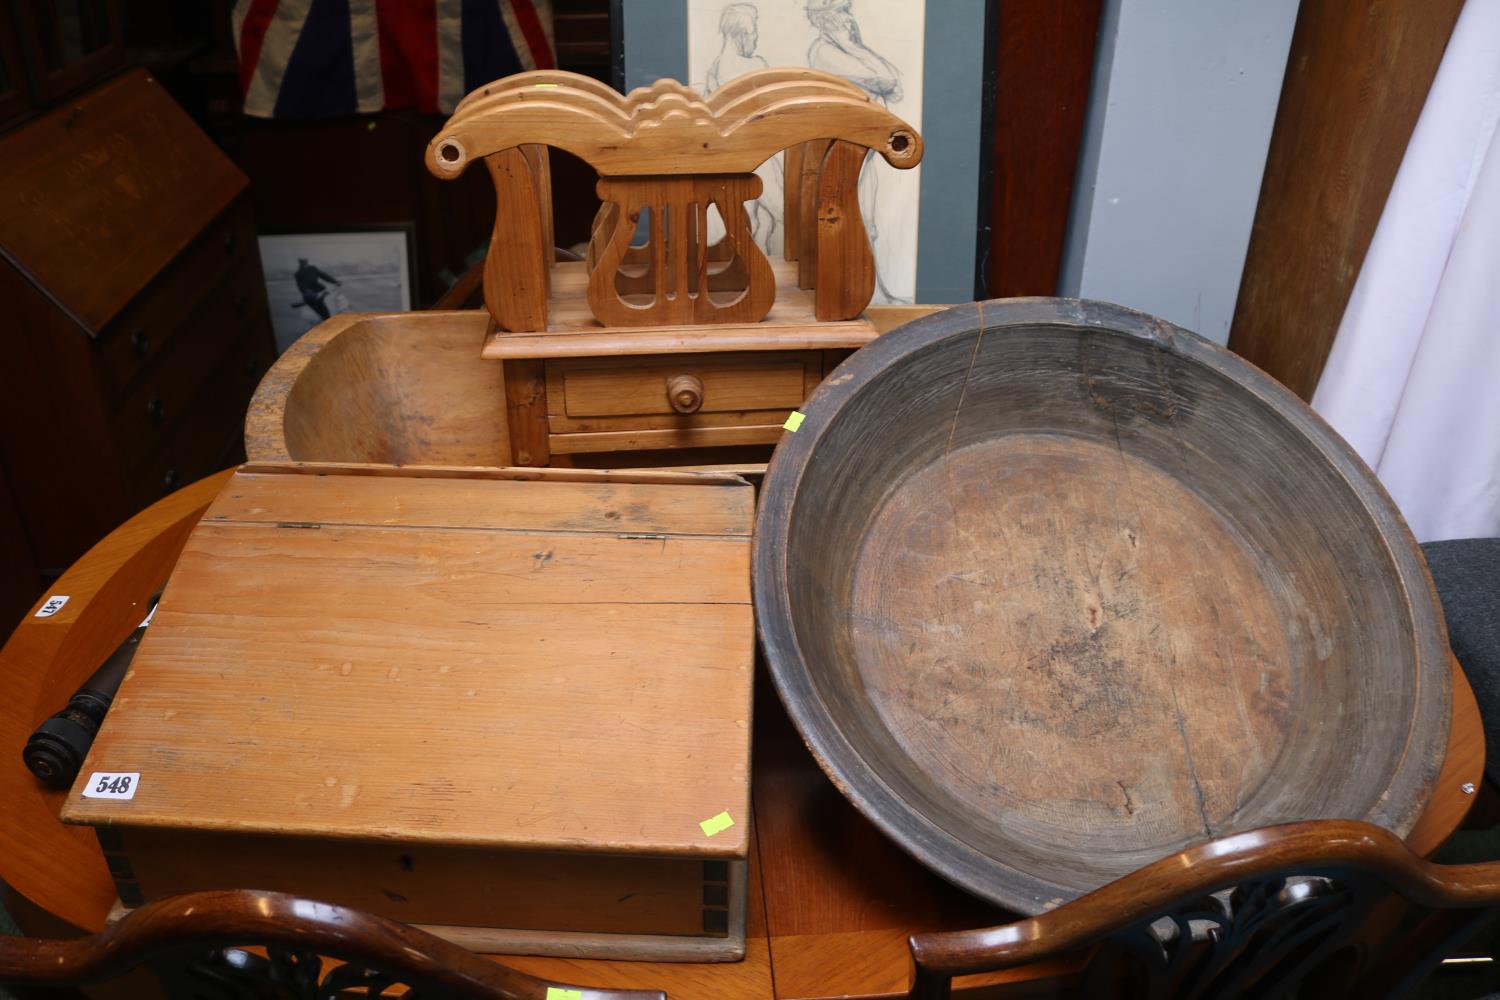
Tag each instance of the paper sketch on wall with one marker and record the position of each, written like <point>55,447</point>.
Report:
<point>875,44</point>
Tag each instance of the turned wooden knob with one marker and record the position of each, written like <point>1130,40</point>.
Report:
<point>685,393</point>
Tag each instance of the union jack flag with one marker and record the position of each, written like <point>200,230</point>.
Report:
<point>320,58</point>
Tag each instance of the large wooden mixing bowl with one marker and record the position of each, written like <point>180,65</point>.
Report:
<point>1053,589</point>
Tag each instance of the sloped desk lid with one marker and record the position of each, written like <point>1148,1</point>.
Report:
<point>102,192</point>
<point>529,659</point>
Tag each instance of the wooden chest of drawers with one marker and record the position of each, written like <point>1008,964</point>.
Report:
<point>137,326</point>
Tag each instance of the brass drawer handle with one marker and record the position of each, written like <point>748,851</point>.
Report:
<point>685,392</point>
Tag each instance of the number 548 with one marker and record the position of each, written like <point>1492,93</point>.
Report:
<point>112,786</point>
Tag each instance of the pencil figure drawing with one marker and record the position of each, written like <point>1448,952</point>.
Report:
<point>874,44</point>
<point>839,50</point>
<point>739,29</point>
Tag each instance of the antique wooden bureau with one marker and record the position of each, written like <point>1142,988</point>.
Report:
<point>134,307</point>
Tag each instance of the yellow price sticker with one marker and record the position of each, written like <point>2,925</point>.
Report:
<point>794,421</point>
<point>716,824</point>
<point>553,993</point>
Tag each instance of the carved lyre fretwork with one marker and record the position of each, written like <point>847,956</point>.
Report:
<point>672,243</point>
<point>678,276</point>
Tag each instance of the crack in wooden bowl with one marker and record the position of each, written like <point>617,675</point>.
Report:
<point>1053,589</point>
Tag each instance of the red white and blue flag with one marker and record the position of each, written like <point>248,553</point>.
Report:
<point>320,58</point>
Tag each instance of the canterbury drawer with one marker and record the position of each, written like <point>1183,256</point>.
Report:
<point>146,326</point>
<point>675,400</point>
<point>585,394</point>
<point>146,417</point>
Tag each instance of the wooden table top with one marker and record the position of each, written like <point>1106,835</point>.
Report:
<point>832,900</point>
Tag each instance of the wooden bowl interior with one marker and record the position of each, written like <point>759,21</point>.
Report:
<point>391,389</point>
<point>1078,601</point>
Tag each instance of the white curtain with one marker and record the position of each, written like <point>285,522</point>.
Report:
<point>1413,381</point>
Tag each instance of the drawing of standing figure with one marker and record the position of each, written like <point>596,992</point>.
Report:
<point>839,50</point>
<point>739,26</point>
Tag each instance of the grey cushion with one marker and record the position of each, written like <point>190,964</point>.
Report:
<point>1467,575</point>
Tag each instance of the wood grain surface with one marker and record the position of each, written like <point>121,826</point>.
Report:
<point>667,128</point>
<point>792,314</point>
<point>164,948</point>
<point>1096,589</point>
<point>837,929</point>
<point>121,144</point>
<point>634,387</point>
<point>1356,79</point>
<point>56,871</point>
<point>519,260</point>
<point>136,319</point>
<point>413,388</point>
<point>456,623</point>
<point>1044,64</point>
<point>605,442</point>
<point>679,286</point>
<point>433,884</point>
<point>669,161</point>
<point>1041,711</point>
<point>393,388</point>
<point>814,153</point>
<point>791,202</point>
<point>844,260</point>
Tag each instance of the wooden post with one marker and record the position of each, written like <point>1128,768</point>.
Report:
<point>526,411</point>
<point>845,263</point>
<point>791,202</point>
<point>807,212</point>
<point>515,270</point>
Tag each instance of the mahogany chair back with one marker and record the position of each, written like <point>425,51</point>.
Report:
<point>228,945</point>
<point>1328,908</point>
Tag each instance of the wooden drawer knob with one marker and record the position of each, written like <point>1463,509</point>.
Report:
<point>685,393</point>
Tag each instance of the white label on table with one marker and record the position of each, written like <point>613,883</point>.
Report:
<point>53,606</point>
<point>112,785</point>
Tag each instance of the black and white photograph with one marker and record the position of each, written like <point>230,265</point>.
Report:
<point>312,276</point>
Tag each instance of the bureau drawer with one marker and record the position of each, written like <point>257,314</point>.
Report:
<point>208,436</point>
<point>144,329</point>
<point>147,415</point>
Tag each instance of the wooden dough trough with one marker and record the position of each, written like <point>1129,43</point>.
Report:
<point>498,703</point>
<point>412,389</point>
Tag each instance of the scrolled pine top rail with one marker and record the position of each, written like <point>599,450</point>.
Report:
<point>667,128</point>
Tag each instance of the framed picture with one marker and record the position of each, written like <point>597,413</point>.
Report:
<point>928,61</point>
<point>312,275</point>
